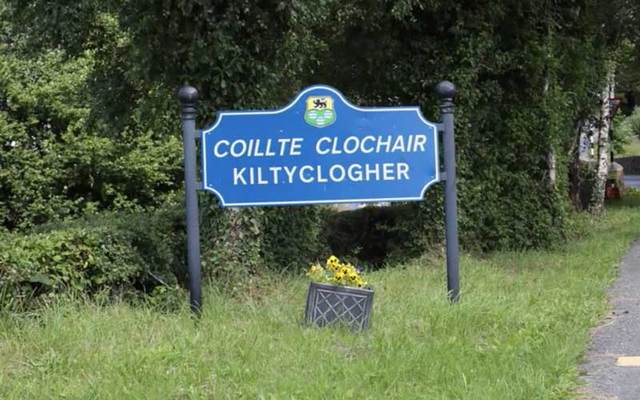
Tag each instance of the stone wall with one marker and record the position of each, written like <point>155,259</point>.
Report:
<point>630,164</point>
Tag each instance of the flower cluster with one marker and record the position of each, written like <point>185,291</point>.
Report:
<point>337,273</point>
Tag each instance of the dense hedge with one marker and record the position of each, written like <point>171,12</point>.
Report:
<point>246,242</point>
<point>109,254</point>
<point>523,80</point>
<point>89,117</point>
<point>134,253</point>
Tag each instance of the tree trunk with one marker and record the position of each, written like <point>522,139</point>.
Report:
<point>552,167</point>
<point>551,154</point>
<point>576,175</point>
<point>596,205</point>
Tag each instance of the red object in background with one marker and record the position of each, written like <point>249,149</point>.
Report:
<point>611,190</point>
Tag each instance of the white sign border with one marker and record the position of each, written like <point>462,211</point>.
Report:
<point>230,114</point>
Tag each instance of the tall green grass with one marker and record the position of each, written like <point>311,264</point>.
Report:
<point>519,332</point>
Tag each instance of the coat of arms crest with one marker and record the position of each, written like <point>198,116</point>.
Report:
<point>319,111</point>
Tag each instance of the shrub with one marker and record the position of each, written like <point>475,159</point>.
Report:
<point>240,244</point>
<point>375,235</point>
<point>625,128</point>
<point>139,253</point>
<point>116,254</point>
<point>292,237</point>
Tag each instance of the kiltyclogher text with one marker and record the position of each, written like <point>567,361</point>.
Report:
<point>357,168</point>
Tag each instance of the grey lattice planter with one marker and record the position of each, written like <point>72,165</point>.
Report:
<point>330,304</point>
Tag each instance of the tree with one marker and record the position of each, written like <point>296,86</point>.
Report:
<point>524,71</point>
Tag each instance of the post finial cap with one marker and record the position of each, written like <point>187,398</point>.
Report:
<point>188,94</point>
<point>446,90</point>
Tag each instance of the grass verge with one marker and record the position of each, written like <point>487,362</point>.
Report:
<point>519,332</point>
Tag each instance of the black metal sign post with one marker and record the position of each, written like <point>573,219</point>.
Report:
<point>447,91</point>
<point>188,97</point>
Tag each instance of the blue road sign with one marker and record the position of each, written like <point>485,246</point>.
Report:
<point>319,149</point>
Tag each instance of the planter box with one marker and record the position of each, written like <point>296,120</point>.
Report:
<point>329,304</point>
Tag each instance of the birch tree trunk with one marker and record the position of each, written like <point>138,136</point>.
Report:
<point>576,181</point>
<point>603,129</point>
<point>552,167</point>
<point>551,154</point>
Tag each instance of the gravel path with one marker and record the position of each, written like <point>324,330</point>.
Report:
<point>618,336</point>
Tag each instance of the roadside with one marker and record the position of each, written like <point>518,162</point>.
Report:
<point>617,338</point>
<point>519,332</point>
<point>629,158</point>
<point>632,181</point>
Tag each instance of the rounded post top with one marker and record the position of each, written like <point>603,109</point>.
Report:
<point>188,94</point>
<point>446,90</point>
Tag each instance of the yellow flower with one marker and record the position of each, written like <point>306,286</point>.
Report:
<point>332,265</point>
<point>339,275</point>
<point>336,272</point>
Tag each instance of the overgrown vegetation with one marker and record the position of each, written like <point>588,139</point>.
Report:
<point>91,209</point>
<point>517,333</point>
<point>89,118</point>
<point>630,126</point>
<point>106,256</point>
